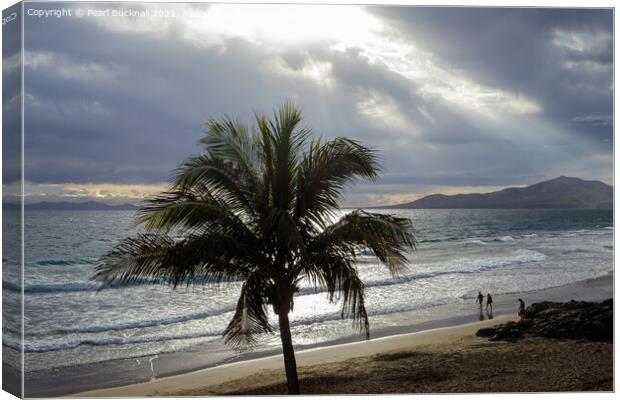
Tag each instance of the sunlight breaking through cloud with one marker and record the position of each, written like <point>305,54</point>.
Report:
<point>340,28</point>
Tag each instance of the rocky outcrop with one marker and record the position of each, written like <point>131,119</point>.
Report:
<point>572,320</point>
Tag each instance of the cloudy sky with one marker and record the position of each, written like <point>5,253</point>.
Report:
<point>456,99</point>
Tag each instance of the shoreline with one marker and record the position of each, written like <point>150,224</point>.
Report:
<point>591,289</point>
<point>217,375</point>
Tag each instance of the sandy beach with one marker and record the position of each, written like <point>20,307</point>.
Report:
<point>464,366</point>
<point>447,360</point>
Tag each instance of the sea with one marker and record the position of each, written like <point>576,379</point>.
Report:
<point>70,323</point>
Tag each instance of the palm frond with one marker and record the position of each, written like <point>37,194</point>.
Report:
<point>389,237</point>
<point>287,144</point>
<point>187,214</point>
<point>250,318</point>
<point>208,258</point>
<point>287,234</point>
<point>207,177</point>
<point>229,140</point>
<point>325,171</point>
<point>353,305</point>
<point>338,275</point>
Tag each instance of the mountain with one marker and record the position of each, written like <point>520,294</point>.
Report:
<point>63,205</point>
<point>562,192</point>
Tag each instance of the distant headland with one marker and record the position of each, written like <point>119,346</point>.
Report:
<point>561,192</point>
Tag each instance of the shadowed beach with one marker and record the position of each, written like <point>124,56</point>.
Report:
<point>463,365</point>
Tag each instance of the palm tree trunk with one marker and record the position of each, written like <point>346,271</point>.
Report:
<point>290,365</point>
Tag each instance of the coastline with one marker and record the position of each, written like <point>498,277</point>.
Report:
<point>460,324</point>
<point>201,379</point>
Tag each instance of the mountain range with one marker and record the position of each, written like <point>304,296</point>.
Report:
<point>561,192</point>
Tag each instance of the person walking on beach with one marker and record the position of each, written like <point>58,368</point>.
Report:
<point>489,305</point>
<point>521,310</point>
<point>480,299</point>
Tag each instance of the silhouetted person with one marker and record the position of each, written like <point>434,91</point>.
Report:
<point>489,305</point>
<point>480,299</point>
<point>521,310</point>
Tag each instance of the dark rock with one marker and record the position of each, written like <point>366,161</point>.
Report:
<point>572,320</point>
<point>486,332</point>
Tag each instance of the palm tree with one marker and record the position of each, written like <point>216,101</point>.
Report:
<point>259,207</point>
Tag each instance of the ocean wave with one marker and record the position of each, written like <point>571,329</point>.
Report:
<point>62,287</point>
<point>10,286</point>
<point>146,323</point>
<point>42,347</point>
<point>576,250</point>
<point>77,261</point>
<point>504,239</point>
<point>68,286</point>
<point>568,234</point>
<point>602,231</point>
<point>463,266</point>
<point>474,242</point>
<point>366,259</point>
<point>445,239</point>
<point>587,232</point>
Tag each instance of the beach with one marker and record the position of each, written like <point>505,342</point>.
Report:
<point>462,366</point>
<point>443,360</point>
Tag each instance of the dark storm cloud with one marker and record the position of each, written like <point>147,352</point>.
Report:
<point>149,98</point>
<point>126,106</point>
<point>11,99</point>
<point>518,49</point>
